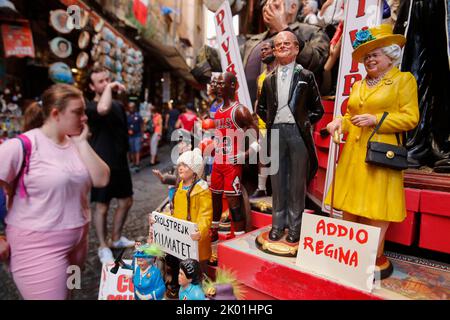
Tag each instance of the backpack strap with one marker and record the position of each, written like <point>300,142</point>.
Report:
<point>26,147</point>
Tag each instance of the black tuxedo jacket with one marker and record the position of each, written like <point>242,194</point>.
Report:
<point>304,102</point>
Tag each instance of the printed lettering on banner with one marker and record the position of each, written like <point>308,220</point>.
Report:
<point>230,56</point>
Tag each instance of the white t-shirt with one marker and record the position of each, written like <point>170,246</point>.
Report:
<point>57,184</point>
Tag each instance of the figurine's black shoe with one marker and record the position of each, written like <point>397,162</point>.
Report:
<point>293,236</point>
<point>275,234</point>
<point>258,194</point>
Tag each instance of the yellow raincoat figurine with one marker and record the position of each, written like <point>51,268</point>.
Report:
<point>192,202</point>
<point>367,193</point>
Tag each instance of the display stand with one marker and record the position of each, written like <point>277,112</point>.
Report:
<point>267,277</point>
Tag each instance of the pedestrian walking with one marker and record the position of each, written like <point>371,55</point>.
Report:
<point>48,216</point>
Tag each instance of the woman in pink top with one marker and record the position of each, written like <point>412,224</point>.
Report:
<point>158,125</point>
<point>187,119</point>
<point>47,229</point>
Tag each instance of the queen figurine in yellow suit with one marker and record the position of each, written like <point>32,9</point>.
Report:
<point>367,193</point>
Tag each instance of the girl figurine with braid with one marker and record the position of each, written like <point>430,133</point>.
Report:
<point>192,202</point>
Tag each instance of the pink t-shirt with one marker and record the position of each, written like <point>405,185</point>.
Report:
<point>57,184</point>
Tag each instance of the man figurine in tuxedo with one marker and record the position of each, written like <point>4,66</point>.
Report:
<point>290,103</point>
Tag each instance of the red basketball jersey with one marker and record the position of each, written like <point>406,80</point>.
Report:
<point>225,140</point>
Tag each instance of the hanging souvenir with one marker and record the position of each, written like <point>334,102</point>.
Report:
<point>119,54</point>
<point>60,72</point>
<point>95,53</point>
<point>108,35</point>
<point>107,62</point>
<point>96,39</point>
<point>61,47</point>
<point>84,18</point>
<point>112,52</point>
<point>59,21</point>
<point>105,47</point>
<point>119,42</point>
<point>99,25</point>
<point>82,60</point>
<point>118,67</point>
<point>83,40</point>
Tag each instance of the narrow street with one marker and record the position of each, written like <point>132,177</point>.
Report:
<point>148,194</point>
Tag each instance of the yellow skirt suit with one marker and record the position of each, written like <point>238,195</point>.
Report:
<point>366,190</point>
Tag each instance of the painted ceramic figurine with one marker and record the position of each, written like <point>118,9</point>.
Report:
<point>147,278</point>
<point>367,193</point>
<point>289,104</point>
<point>190,280</point>
<point>224,287</point>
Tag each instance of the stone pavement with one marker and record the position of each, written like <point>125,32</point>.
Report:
<point>148,194</point>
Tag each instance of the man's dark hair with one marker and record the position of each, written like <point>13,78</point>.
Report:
<point>95,69</point>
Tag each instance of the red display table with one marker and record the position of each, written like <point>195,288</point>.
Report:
<point>265,276</point>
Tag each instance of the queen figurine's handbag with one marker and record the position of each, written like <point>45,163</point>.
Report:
<point>384,154</point>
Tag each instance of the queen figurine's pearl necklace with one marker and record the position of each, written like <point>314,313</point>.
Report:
<point>374,81</point>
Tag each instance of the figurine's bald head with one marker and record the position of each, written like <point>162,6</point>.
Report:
<point>227,85</point>
<point>286,47</point>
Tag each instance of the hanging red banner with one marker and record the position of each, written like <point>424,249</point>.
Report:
<point>18,40</point>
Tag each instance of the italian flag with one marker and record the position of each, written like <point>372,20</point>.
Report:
<point>140,10</point>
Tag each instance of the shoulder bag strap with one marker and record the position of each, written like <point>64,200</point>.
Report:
<point>378,126</point>
<point>26,146</point>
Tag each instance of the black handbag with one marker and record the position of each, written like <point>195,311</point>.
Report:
<point>384,154</point>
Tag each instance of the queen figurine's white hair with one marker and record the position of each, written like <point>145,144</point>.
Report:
<point>394,52</point>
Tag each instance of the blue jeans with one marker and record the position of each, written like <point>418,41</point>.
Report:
<point>135,144</point>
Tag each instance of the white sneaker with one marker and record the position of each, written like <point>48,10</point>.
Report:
<point>105,255</point>
<point>123,243</point>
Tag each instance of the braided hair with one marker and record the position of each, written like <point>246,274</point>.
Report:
<point>188,195</point>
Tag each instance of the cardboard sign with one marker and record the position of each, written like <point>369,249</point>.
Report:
<point>117,286</point>
<point>18,40</point>
<point>340,250</point>
<point>174,236</point>
<point>358,14</point>
<point>230,56</point>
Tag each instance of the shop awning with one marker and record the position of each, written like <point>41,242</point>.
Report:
<point>174,59</point>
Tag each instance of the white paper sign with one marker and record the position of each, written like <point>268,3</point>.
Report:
<point>117,286</point>
<point>358,14</point>
<point>230,56</point>
<point>340,250</point>
<point>174,236</point>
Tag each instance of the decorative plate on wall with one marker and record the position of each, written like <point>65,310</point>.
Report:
<point>59,21</point>
<point>83,40</point>
<point>61,47</point>
<point>82,60</point>
<point>60,72</point>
